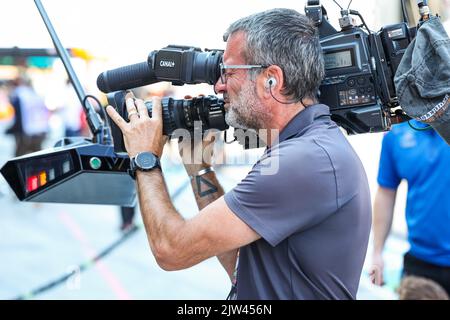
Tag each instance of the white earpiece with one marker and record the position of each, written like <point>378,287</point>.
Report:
<point>271,82</point>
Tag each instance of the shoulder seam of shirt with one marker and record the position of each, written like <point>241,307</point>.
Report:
<point>334,171</point>
<point>249,214</point>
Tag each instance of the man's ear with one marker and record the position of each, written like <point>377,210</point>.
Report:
<point>275,78</point>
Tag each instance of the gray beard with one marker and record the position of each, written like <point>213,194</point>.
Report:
<point>247,112</point>
<point>233,120</point>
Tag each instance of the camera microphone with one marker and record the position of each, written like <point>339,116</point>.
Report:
<point>177,64</point>
<point>127,77</point>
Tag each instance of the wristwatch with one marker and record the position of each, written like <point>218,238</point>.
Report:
<point>144,161</point>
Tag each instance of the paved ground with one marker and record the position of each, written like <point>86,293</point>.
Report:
<point>41,243</point>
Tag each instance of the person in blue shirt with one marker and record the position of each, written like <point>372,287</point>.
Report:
<point>422,158</point>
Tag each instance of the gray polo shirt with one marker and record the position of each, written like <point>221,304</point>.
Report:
<point>313,215</point>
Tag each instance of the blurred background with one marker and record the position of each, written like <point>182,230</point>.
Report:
<point>40,243</point>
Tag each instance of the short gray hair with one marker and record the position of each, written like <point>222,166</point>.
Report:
<point>288,39</point>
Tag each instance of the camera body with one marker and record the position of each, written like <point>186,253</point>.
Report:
<point>358,86</point>
<point>359,71</point>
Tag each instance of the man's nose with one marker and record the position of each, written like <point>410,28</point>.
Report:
<point>220,87</point>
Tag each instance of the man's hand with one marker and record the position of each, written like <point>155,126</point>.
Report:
<point>197,153</point>
<point>142,133</point>
<point>376,270</point>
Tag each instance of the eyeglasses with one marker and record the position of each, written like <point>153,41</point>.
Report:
<point>223,68</point>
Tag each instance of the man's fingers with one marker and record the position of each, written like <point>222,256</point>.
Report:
<point>157,109</point>
<point>131,108</point>
<point>372,276</point>
<point>118,120</point>
<point>141,108</point>
<point>376,276</point>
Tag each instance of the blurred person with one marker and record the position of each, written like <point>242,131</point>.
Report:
<point>299,232</point>
<point>422,158</point>
<point>419,288</point>
<point>6,109</point>
<point>71,112</point>
<point>30,124</point>
<point>127,218</point>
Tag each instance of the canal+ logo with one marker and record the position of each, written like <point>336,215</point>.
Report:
<point>167,64</point>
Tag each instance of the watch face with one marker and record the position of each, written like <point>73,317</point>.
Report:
<point>145,160</point>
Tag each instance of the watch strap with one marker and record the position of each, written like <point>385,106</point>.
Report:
<point>133,167</point>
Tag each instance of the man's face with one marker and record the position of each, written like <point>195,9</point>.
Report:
<point>244,109</point>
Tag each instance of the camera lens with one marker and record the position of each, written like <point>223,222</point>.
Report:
<point>182,113</point>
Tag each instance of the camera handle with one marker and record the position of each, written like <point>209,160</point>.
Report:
<point>317,13</point>
<point>101,132</point>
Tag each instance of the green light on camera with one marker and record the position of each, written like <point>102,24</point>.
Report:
<point>95,163</point>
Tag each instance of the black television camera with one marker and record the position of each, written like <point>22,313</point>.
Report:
<point>358,86</point>
<point>359,70</point>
